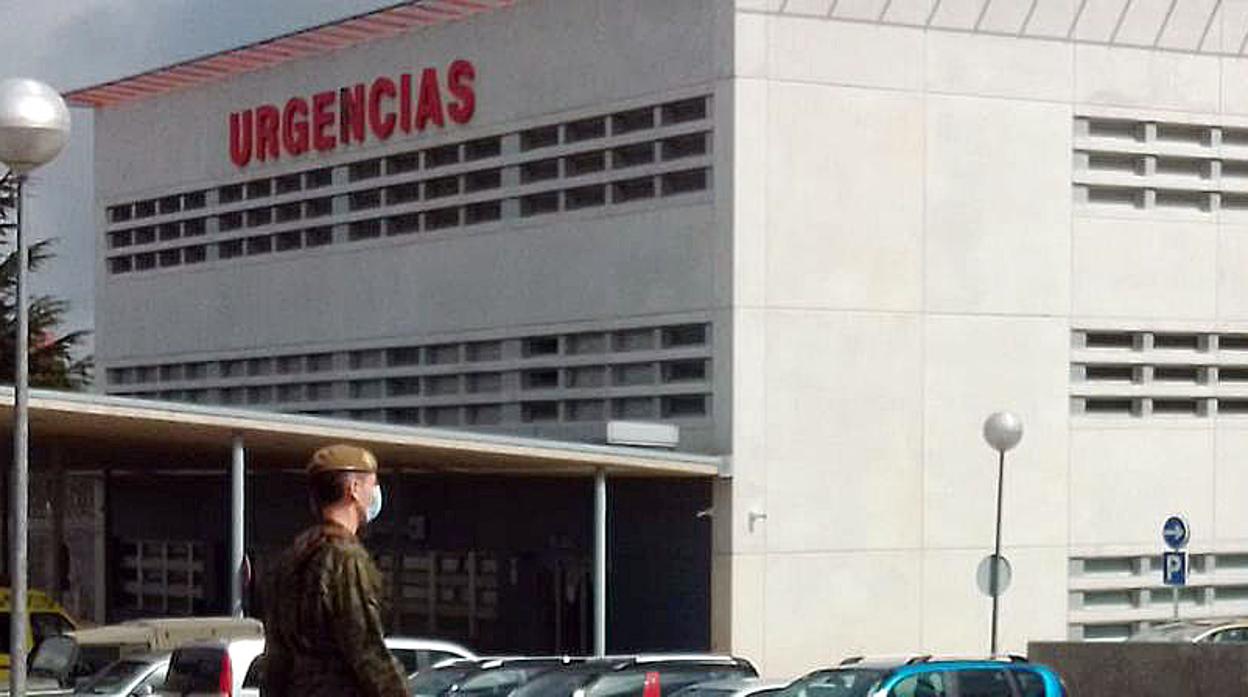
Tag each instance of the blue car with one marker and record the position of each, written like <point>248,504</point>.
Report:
<point>924,676</point>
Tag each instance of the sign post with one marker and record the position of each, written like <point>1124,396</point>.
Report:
<point>1176,534</point>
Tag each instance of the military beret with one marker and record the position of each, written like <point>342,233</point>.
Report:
<point>342,458</point>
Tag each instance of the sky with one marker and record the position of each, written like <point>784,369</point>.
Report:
<point>77,43</point>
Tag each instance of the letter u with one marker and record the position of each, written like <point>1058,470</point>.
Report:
<point>240,137</point>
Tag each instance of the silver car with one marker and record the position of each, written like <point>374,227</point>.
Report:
<point>1209,631</point>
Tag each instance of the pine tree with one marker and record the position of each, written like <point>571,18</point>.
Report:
<point>53,363</point>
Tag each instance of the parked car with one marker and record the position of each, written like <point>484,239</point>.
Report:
<point>734,687</point>
<point>618,676</point>
<point>421,654</point>
<point>47,619</point>
<point>73,658</point>
<point>436,681</point>
<point>1196,631</point>
<point>664,675</point>
<point>499,677</point>
<point>133,676</point>
<point>566,680</point>
<point>923,676</point>
<point>214,668</point>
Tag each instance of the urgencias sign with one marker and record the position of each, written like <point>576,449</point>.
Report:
<point>328,119</point>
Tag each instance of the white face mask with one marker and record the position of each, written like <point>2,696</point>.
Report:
<point>374,506</point>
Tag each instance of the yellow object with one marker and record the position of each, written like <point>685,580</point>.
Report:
<point>47,618</point>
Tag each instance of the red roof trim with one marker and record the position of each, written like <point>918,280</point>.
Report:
<point>383,23</point>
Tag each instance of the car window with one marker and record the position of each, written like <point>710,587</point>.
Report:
<point>431,683</point>
<point>983,683</point>
<point>834,683</point>
<point>495,683</point>
<point>46,624</point>
<point>1236,635</point>
<point>921,685</point>
<point>672,680</point>
<point>195,670</point>
<point>555,683</point>
<point>617,685</point>
<point>1030,683</point>
<point>4,632</point>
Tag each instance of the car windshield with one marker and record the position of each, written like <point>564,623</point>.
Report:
<point>851,682</point>
<point>113,678</point>
<point>1170,632</point>
<point>557,683</point>
<point>497,683</point>
<point>432,683</point>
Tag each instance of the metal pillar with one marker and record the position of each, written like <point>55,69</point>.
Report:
<point>993,581</point>
<point>18,492</point>
<point>238,475</point>
<point>600,563</point>
<point>58,561</point>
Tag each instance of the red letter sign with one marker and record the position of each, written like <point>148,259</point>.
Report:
<point>354,114</point>
<point>295,126</point>
<point>322,120</point>
<point>240,138</point>
<point>459,81</point>
<point>429,108</point>
<point>382,126</point>
<point>268,147</point>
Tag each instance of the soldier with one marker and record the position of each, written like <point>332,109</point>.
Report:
<point>323,634</point>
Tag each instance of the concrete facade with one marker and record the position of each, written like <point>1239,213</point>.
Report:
<point>917,213</point>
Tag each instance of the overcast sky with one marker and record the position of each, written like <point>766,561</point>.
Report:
<point>77,43</point>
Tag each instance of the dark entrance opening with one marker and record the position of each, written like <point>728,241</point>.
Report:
<point>502,564</point>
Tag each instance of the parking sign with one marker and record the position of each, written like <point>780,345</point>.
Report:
<point>1174,568</point>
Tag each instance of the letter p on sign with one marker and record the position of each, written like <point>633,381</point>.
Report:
<point>1174,568</point>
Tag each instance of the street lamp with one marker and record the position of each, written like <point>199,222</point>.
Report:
<point>34,127</point>
<point>1002,430</point>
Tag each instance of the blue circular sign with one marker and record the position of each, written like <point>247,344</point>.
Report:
<point>1175,532</point>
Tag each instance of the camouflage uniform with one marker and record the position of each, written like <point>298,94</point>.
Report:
<point>323,633</point>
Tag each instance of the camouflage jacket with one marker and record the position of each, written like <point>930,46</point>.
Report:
<point>323,633</point>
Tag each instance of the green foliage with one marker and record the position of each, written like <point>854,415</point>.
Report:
<point>53,351</point>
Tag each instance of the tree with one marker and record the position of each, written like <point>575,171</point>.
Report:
<point>53,363</point>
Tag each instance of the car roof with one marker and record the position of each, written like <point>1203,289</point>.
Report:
<point>672,657</point>
<point>169,633</point>
<point>494,663</point>
<point>889,663</point>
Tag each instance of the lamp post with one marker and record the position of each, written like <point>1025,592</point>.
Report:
<point>1003,430</point>
<point>34,127</point>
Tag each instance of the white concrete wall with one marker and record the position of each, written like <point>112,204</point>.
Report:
<point>909,258</point>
